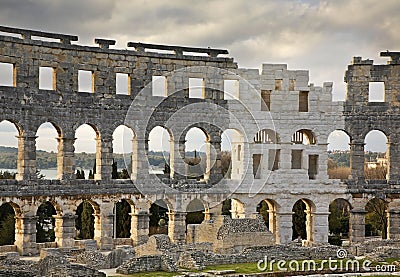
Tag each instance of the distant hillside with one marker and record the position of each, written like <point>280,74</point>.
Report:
<point>8,158</point>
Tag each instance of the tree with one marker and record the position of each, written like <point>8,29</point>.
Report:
<point>114,173</point>
<point>375,218</point>
<point>7,224</point>
<point>45,223</point>
<point>123,221</point>
<point>262,209</point>
<point>226,166</point>
<point>226,207</point>
<point>85,221</point>
<point>299,220</point>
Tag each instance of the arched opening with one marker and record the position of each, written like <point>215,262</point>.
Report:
<point>376,218</point>
<point>87,152</point>
<point>303,225</point>
<point>338,155</point>
<point>232,154</point>
<point>267,136</point>
<point>197,153</point>
<point>303,136</point>
<point>160,147</point>
<point>237,209</point>
<point>339,215</point>
<point>45,223</point>
<point>226,207</point>
<point>158,218</point>
<point>376,159</point>
<point>7,224</point>
<point>122,219</point>
<point>9,149</point>
<point>124,153</point>
<point>195,212</point>
<point>267,209</point>
<point>84,223</point>
<point>46,150</point>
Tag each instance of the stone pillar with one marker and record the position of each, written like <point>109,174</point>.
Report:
<point>286,156</point>
<point>26,164</point>
<point>214,155</point>
<point>322,173</point>
<point>142,162</point>
<point>25,235</point>
<point>393,228</point>
<point>309,225</point>
<point>135,158</point>
<point>177,226</point>
<point>103,229</point>
<point>178,168</point>
<point>140,227</point>
<point>65,230</point>
<point>321,226</point>
<point>272,223</point>
<point>104,157</point>
<point>284,227</point>
<point>394,157</point>
<point>357,160</point>
<point>66,158</point>
<point>357,225</point>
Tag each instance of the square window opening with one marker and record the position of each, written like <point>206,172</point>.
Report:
<point>231,89</point>
<point>303,101</point>
<point>47,78</point>
<point>297,156</point>
<point>122,84</point>
<point>85,81</point>
<point>7,74</point>
<point>159,86</point>
<point>278,84</point>
<point>376,92</point>
<point>196,88</point>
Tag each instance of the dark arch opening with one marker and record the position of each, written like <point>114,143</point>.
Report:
<point>123,219</point>
<point>7,224</point>
<point>158,218</point>
<point>195,212</point>
<point>338,218</point>
<point>376,218</point>
<point>84,222</point>
<point>45,223</point>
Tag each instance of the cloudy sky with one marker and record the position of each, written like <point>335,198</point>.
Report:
<point>321,36</point>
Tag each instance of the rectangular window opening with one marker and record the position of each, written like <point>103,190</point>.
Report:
<point>85,81</point>
<point>257,166</point>
<point>265,100</point>
<point>7,74</point>
<point>47,78</point>
<point>231,89</point>
<point>123,84</point>
<point>159,86</point>
<point>376,92</point>
<point>278,84</point>
<point>273,159</point>
<point>303,101</point>
<point>196,88</point>
<point>312,167</point>
<point>292,84</point>
<point>296,159</point>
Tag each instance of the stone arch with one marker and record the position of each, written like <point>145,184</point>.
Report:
<point>303,221</point>
<point>376,220</point>
<point>338,147</point>
<point>376,159</point>
<point>195,211</point>
<point>197,153</point>
<point>12,138</point>
<point>268,209</point>
<point>304,136</point>
<point>48,138</point>
<point>339,221</point>
<point>232,154</point>
<point>128,148</point>
<point>166,146</point>
<point>123,213</point>
<point>267,136</point>
<point>159,217</point>
<point>45,222</point>
<point>87,213</point>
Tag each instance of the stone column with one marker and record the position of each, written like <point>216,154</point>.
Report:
<point>65,230</point>
<point>140,227</point>
<point>309,225</point>
<point>357,159</point>
<point>177,226</point>
<point>142,162</point>
<point>393,228</point>
<point>26,164</point>
<point>284,227</point>
<point>134,159</point>
<point>394,158</point>
<point>215,155</point>
<point>321,226</point>
<point>357,225</point>
<point>272,223</point>
<point>178,168</point>
<point>66,158</point>
<point>103,229</point>
<point>286,156</point>
<point>25,234</point>
<point>104,156</point>
<point>322,173</point>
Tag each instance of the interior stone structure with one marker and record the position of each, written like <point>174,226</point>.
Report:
<point>279,123</point>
